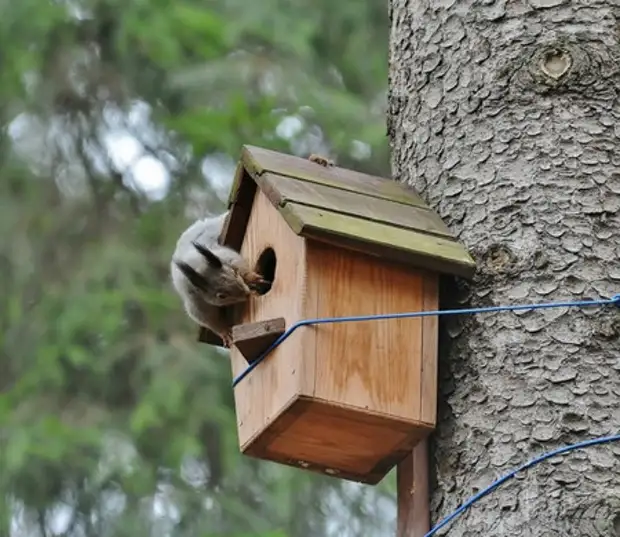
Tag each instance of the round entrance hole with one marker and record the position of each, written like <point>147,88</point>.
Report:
<point>266,267</point>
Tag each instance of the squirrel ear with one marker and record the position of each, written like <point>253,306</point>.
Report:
<point>211,258</point>
<point>194,278</point>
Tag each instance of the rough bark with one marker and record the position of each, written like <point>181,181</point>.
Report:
<point>505,115</point>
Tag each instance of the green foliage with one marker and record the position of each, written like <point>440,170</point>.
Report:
<point>108,406</point>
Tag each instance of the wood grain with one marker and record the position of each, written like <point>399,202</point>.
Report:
<point>258,161</point>
<point>336,440</point>
<point>253,339</point>
<point>430,349</point>
<point>412,475</point>
<point>263,394</point>
<point>373,365</point>
<point>281,190</point>
<point>428,251</point>
<point>352,399</point>
<point>242,197</point>
<point>342,399</point>
<point>413,510</point>
<point>370,214</point>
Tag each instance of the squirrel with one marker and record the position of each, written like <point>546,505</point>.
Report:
<point>209,276</point>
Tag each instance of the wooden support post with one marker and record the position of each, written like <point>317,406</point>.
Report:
<point>412,493</point>
<point>253,339</point>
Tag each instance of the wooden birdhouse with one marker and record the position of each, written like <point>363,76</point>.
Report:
<point>346,399</point>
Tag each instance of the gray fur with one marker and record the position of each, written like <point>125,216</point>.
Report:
<point>222,287</point>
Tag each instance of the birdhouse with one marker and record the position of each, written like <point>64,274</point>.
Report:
<point>345,399</point>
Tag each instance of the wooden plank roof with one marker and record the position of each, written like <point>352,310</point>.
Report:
<point>354,210</point>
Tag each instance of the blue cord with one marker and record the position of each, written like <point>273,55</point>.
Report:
<point>502,480</point>
<point>330,320</point>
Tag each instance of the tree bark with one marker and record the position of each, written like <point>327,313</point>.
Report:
<point>505,116</point>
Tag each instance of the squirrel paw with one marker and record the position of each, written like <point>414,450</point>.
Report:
<point>257,284</point>
<point>227,339</point>
<point>320,160</point>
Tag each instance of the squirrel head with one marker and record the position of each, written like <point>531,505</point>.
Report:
<point>219,283</point>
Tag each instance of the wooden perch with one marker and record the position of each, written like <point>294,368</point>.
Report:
<point>253,339</point>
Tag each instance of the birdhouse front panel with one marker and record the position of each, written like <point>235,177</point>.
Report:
<point>272,247</point>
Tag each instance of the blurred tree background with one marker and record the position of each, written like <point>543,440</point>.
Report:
<point>123,121</point>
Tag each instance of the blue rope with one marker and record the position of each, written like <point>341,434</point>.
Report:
<point>573,304</point>
<point>510,475</point>
<point>330,320</point>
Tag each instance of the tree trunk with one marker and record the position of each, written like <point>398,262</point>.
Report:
<point>505,116</point>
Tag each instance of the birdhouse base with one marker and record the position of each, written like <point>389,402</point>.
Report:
<point>343,441</point>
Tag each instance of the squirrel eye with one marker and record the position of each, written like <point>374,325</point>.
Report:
<point>220,295</point>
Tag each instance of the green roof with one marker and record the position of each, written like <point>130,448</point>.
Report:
<point>353,210</point>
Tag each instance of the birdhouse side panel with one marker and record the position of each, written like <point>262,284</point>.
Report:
<point>377,365</point>
<point>269,388</point>
<point>430,349</point>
